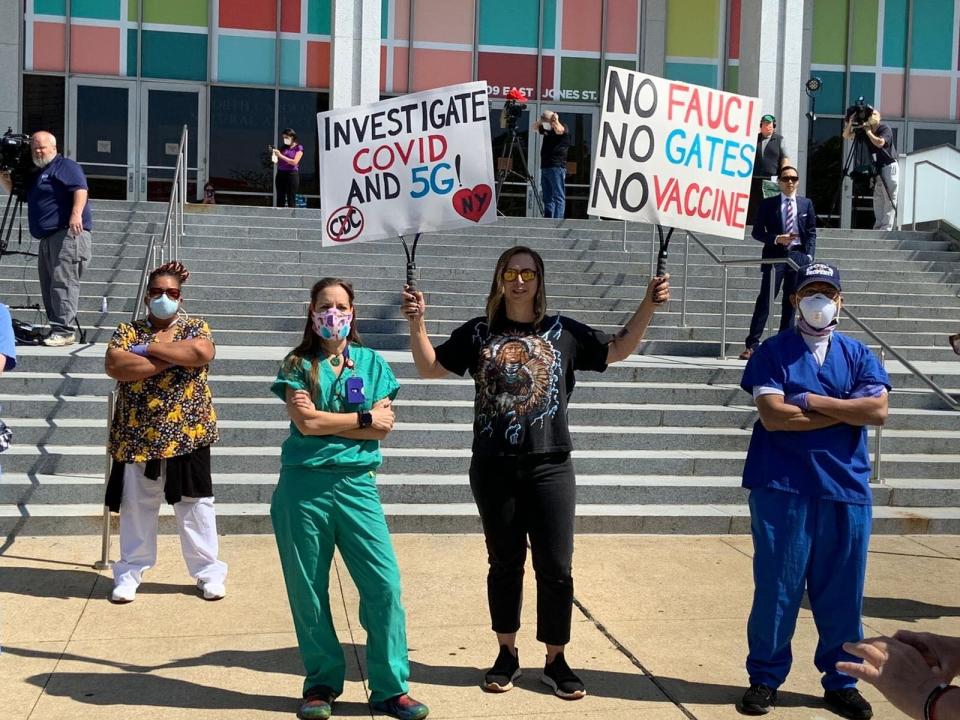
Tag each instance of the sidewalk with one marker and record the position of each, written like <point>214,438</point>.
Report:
<point>659,631</point>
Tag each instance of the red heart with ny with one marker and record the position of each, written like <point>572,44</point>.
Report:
<point>472,203</point>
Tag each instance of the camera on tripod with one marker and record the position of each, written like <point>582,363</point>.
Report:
<point>513,108</point>
<point>16,158</point>
<point>858,114</point>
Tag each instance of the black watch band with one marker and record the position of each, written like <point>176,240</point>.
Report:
<point>364,420</point>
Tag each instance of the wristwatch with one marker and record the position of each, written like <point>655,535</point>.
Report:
<point>364,419</point>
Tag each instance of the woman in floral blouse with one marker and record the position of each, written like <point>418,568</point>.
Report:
<point>163,426</point>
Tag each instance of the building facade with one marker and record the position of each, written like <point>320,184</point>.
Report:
<point>115,80</point>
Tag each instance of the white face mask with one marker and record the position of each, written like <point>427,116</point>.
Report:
<point>287,141</point>
<point>546,125</point>
<point>818,310</point>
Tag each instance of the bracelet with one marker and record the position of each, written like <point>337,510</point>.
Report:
<point>929,705</point>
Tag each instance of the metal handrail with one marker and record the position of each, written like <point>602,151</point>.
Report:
<point>940,392</point>
<point>913,189</point>
<point>167,249</point>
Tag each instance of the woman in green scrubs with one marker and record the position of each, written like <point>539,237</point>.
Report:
<point>339,398</point>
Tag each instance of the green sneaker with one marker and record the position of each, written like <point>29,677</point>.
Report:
<point>403,707</point>
<point>317,703</point>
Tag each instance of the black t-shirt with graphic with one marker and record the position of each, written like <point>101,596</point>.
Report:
<point>524,376</point>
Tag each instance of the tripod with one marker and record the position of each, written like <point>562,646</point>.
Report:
<point>859,164</point>
<point>505,166</point>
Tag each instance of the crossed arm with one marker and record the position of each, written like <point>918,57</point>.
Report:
<point>129,366</point>
<point>310,421</point>
<point>778,414</point>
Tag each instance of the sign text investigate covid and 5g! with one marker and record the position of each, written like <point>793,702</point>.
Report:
<point>416,163</point>
<point>674,154</point>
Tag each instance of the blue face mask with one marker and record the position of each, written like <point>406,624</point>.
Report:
<point>164,307</point>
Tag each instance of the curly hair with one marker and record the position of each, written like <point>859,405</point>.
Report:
<point>174,269</point>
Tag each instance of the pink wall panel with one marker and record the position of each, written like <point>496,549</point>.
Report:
<point>622,19</point>
<point>891,95</point>
<point>733,30</point>
<point>401,19</point>
<point>400,69</point>
<point>95,50</point>
<point>49,46</point>
<point>318,64</point>
<point>290,16</point>
<point>436,68</point>
<point>444,21</point>
<point>929,97</point>
<point>582,25</point>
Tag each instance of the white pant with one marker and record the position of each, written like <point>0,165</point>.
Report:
<point>139,513</point>
<point>884,202</point>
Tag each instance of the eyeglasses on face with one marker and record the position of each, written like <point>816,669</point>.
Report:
<point>790,178</point>
<point>155,292</point>
<point>830,294</point>
<point>527,275</point>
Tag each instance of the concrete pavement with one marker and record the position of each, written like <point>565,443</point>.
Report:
<point>659,630</point>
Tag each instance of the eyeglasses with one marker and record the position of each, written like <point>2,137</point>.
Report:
<point>509,275</point>
<point>790,179</point>
<point>831,294</point>
<point>155,292</point>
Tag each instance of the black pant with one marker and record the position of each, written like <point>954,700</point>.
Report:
<point>531,495</point>
<point>786,277</point>
<point>287,185</point>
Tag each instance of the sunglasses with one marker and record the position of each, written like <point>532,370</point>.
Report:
<point>829,294</point>
<point>790,179</point>
<point>509,275</point>
<point>171,293</point>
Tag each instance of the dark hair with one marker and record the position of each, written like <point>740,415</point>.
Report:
<point>496,312</point>
<point>290,133</point>
<point>787,167</point>
<point>310,347</point>
<point>174,269</point>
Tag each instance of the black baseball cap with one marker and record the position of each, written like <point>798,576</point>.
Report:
<point>818,272</point>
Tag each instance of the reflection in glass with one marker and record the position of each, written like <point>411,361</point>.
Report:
<point>167,112</point>
<point>513,197</point>
<point>241,128</point>
<point>931,137</point>
<point>43,105</point>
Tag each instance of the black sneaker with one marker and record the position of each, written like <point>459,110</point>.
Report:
<point>562,679</point>
<point>505,670</point>
<point>757,700</point>
<point>849,703</point>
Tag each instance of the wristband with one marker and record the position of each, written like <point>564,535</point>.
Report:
<point>929,705</point>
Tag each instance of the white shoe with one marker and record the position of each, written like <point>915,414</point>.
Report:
<point>123,594</point>
<point>212,590</point>
<point>60,339</point>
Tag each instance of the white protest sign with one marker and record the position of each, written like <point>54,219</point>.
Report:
<point>416,163</point>
<point>674,154</point>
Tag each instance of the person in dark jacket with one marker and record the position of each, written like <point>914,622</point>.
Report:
<point>771,156</point>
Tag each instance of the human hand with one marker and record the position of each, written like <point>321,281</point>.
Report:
<point>301,399</point>
<point>941,653</point>
<point>76,223</point>
<point>383,403</point>
<point>139,349</point>
<point>784,239</point>
<point>658,289</point>
<point>383,417</point>
<point>798,399</point>
<point>412,305</point>
<point>896,669</point>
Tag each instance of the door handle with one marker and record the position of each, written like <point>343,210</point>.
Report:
<point>130,182</point>
<point>143,183</point>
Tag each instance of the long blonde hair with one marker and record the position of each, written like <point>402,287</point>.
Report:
<point>496,310</point>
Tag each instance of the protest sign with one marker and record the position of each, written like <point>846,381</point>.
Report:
<point>416,163</point>
<point>674,154</point>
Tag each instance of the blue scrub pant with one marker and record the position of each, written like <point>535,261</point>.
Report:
<point>805,543</point>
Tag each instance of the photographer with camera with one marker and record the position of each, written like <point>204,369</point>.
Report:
<point>863,124</point>
<point>59,217</point>
<point>553,163</point>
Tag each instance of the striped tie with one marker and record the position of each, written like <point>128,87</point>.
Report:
<point>790,223</point>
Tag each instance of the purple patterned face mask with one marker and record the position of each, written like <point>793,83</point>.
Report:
<point>332,323</point>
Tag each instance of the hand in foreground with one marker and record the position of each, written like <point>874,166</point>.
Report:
<point>301,399</point>
<point>412,306</point>
<point>658,289</point>
<point>382,414</point>
<point>896,669</point>
<point>941,653</point>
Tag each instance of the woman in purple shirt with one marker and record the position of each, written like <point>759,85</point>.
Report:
<point>288,168</point>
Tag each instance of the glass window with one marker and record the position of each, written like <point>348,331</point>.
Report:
<point>931,137</point>
<point>298,110</point>
<point>241,128</point>
<point>508,162</point>
<point>43,105</point>
<point>823,170</point>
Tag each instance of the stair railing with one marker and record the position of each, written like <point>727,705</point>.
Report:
<point>157,253</point>
<point>727,263</point>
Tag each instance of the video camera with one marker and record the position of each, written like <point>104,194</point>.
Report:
<point>513,109</point>
<point>859,113</point>
<point>16,158</point>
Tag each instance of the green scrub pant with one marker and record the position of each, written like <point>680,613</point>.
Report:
<point>313,512</point>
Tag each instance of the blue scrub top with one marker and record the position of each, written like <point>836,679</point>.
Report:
<point>8,345</point>
<point>831,463</point>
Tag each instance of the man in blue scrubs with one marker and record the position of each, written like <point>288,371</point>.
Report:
<point>808,470</point>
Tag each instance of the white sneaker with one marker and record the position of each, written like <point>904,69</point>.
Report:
<point>123,594</point>
<point>60,339</point>
<point>212,590</point>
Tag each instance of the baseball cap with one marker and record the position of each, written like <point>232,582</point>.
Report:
<point>768,118</point>
<point>818,272</point>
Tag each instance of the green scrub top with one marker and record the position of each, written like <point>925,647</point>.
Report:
<point>332,452</point>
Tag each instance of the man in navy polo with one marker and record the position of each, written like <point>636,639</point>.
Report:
<point>808,472</point>
<point>59,217</point>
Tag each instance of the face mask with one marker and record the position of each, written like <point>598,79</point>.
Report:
<point>163,307</point>
<point>818,311</point>
<point>287,141</point>
<point>332,323</point>
<point>546,126</point>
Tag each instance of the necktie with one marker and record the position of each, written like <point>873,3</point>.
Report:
<point>790,223</point>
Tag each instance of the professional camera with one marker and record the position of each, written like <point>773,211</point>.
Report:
<point>513,109</point>
<point>859,113</point>
<point>16,159</point>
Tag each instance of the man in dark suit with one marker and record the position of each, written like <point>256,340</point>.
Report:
<point>771,155</point>
<point>787,227</point>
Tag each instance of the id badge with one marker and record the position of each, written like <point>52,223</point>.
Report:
<point>355,394</point>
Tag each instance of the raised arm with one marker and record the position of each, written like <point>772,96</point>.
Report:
<point>629,337</point>
<point>424,356</point>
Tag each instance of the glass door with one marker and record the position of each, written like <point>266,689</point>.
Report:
<point>164,109</point>
<point>581,124</point>
<point>102,136</point>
